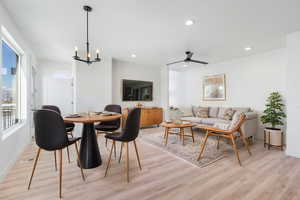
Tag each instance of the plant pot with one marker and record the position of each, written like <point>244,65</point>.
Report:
<point>275,136</point>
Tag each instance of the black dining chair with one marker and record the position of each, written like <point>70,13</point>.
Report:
<point>69,128</point>
<point>50,135</point>
<point>128,134</point>
<point>109,126</point>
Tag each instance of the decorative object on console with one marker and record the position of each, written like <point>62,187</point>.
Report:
<point>88,53</point>
<point>139,105</point>
<point>214,88</point>
<point>274,115</point>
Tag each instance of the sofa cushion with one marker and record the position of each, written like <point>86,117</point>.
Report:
<point>202,112</point>
<point>194,110</point>
<point>228,114</point>
<point>212,121</point>
<point>221,112</point>
<point>241,109</point>
<point>213,112</point>
<point>192,119</point>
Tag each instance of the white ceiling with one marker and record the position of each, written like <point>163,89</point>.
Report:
<point>154,30</point>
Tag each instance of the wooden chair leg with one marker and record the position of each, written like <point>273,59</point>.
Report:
<point>79,161</point>
<point>60,173</point>
<point>109,158</point>
<point>167,135</point>
<point>137,154</point>
<point>127,162</point>
<point>235,149</point>
<point>34,166</point>
<point>203,145</point>
<point>121,151</point>
<point>218,144</point>
<point>68,153</point>
<point>115,151</point>
<point>55,161</point>
<point>192,132</point>
<point>245,141</point>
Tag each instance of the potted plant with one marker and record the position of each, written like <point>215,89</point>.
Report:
<point>273,117</point>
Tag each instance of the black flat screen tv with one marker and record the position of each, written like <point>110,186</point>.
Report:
<point>134,90</point>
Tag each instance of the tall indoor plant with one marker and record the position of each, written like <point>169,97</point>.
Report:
<point>273,116</point>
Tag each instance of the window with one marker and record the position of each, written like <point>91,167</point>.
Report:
<point>10,89</point>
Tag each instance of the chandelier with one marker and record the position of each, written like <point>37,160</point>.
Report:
<point>88,59</point>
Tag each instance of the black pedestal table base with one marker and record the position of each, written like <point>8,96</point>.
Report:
<point>89,151</point>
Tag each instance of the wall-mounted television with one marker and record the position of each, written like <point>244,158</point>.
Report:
<point>134,90</point>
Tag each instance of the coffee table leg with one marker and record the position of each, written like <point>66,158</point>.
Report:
<point>192,131</point>
<point>182,134</point>
<point>89,151</point>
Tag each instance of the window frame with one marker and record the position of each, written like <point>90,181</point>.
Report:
<point>11,43</point>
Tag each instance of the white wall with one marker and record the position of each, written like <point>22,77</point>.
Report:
<point>293,94</point>
<point>249,81</point>
<point>126,70</point>
<point>13,144</point>
<point>55,79</point>
<point>93,85</point>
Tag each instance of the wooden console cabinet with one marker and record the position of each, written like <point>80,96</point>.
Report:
<point>149,116</point>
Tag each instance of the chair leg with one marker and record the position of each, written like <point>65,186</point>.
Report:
<point>60,173</point>
<point>79,161</point>
<point>235,149</point>
<point>137,154</point>
<point>127,162</point>
<point>121,151</point>
<point>165,134</point>
<point>218,144</point>
<point>115,151</point>
<point>68,153</point>
<point>192,132</point>
<point>34,166</point>
<point>245,142</point>
<point>55,161</point>
<point>203,145</point>
<point>106,140</point>
<point>109,158</point>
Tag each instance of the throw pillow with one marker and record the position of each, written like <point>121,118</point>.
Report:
<point>213,112</point>
<point>194,110</point>
<point>235,119</point>
<point>202,112</point>
<point>228,114</point>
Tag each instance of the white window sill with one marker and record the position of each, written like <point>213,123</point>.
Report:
<point>13,129</point>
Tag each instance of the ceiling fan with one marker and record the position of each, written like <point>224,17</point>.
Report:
<point>188,59</point>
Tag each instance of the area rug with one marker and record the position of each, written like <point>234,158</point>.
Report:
<point>190,151</point>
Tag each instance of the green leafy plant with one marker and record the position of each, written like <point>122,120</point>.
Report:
<point>274,113</point>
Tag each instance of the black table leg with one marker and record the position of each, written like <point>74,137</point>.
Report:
<point>89,151</point>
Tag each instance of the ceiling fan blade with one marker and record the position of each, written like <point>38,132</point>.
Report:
<point>189,55</point>
<point>175,62</point>
<point>198,61</point>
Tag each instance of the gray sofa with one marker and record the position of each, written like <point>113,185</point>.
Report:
<point>249,127</point>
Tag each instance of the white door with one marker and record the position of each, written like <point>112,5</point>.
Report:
<point>58,90</point>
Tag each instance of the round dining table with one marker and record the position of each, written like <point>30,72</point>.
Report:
<point>89,151</point>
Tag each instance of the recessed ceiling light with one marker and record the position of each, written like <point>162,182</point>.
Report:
<point>133,56</point>
<point>247,48</point>
<point>189,22</point>
<point>185,65</point>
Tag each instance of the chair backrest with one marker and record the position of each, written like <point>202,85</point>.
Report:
<point>51,107</point>
<point>237,122</point>
<point>132,126</point>
<point>113,108</point>
<point>50,130</point>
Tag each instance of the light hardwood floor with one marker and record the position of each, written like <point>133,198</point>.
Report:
<point>265,175</point>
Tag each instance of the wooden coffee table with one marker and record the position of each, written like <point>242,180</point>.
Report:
<point>180,133</point>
